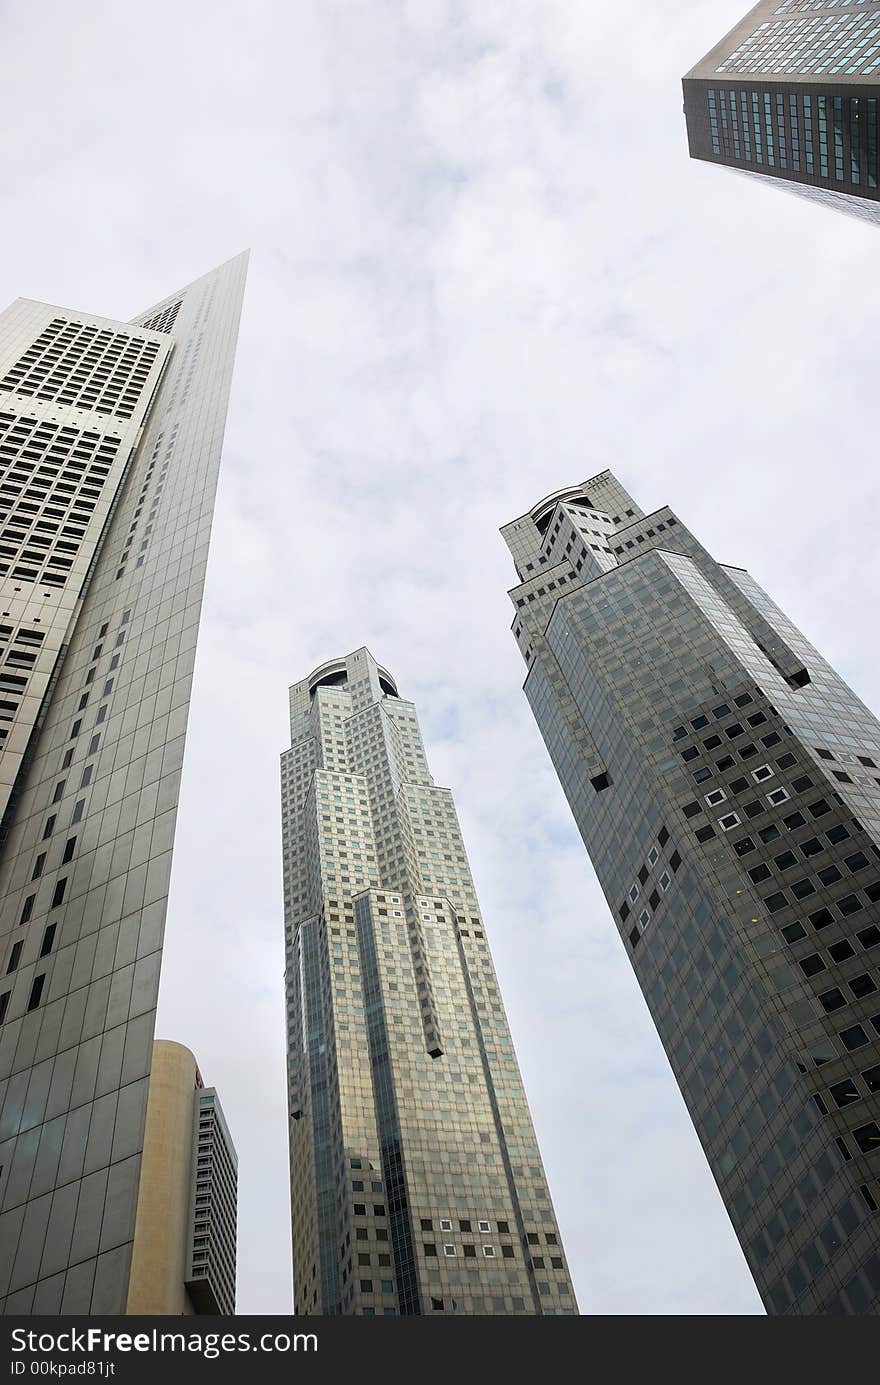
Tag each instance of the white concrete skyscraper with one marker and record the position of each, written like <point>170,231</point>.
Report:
<point>416,1182</point>
<point>110,440</point>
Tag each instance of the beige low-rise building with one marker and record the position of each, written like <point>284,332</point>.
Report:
<point>183,1261</point>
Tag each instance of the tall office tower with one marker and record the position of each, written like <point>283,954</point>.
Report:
<point>726,783</point>
<point>185,1238</point>
<point>110,437</point>
<point>416,1182</point>
<point>791,93</point>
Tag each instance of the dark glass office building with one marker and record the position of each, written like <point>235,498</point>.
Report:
<point>791,93</point>
<point>726,783</point>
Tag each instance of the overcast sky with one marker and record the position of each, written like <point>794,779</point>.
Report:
<point>482,268</point>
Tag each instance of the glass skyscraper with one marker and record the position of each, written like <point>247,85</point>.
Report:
<point>791,93</point>
<point>110,439</point>
<point>416,1182</point>
<point>726,783</point>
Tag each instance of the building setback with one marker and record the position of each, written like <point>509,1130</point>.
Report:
<point>416,1182</point>
<point>110,438</point>
<point>726,783</point>
<point>183,1260</point>
<point>791,93</point>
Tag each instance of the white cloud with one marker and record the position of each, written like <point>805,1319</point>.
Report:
<point>483,268</point>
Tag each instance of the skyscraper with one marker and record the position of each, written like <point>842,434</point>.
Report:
<point>726,783</point>
<point>110,438</point>
<point>416,1182</point>
<point>791,93</point>
<point>184,1254</point>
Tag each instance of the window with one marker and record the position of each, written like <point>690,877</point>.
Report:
<point>841,952</point>
<point>762,772</point>
<point>690,810</point>
<point>812,965</point>
<point>50,826</point>
<point>794,932</point>
<point>449,1250</point>
<point>867,1137</point>
<point>704,834</point>
<point>850,904</point>
<point>777,796</point>
<point>4,1004</point>
<point>862,985</point>
<point>14,957</point>
<point>48,939</point>
<point>853,1038</point>
<point>77,811</point>
<point>802,888</point>
<point>831,1000</point>
<point>871,1078</point>
<point>36,992</point>
<point>836,834</point>
<point>483,1227</point>
<point>794,821</point>
<point>786,860</point>
<point>715,797</point>
<point>701,775</point>
<point>665,881</point>
<point>58,896</point>
<point>845,1093</point>
<point>445,1224</point>
<point>489,1252</point>
<point>744,846</point>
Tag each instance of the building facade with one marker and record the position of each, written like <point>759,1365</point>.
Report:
<point>726,783</point>
<point>184,1253</point>
<point>416,1182</point>
<point>791,93</point>
<point>110,438</point>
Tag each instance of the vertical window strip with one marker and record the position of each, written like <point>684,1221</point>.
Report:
<point>734,125</point>
<point>855,142</point>
<point>838,138</point>
<point>747,134</point>
<point>768,127</point>
<point>823,136</point>
<point>808,132</point>
<point>756,127</point>
<point>795,133</point>
<point>780,132</point>
<point>872,141</point>
<point>713,123</point>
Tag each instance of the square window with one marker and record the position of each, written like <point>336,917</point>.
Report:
<point>449,1251</point>
<point>761,773</point>
<point>821,918</point>
<point>801,889</point>
<point>744,846</point>
<point>862,985</point>
<point>850,904</point>
<point>775,902</point>
<point>483,1227</point>
<point>445,1224</point>
<point>869,937</point>
<point>489,1252</point>
<point>845,1093</point>
<point>715,797</point>
<point>786,860</point>
<point>759,873</point>
<point>691,810</point>
<point>794,821</point>
<point>853,1038</point>
<point>665,881</point>
<point>811,966</point>
<point>794,932</point>
<point>704,834</point>
<point>830,875</point>
<point>832,1000</point>
<point>738,785</point>
<point>867,1137</point>
<point>769,833</point>
<point>729,821</point>
<point>871,1077</point>
<point>837,834</point>
<point>841,952</point>
<point>777,796</point>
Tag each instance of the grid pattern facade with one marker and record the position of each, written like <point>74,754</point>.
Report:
<point>211,1250</point>
<point>416,1182</point>
<point>90,767</point>
<point>726,783</point>
<point>795,98</point>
